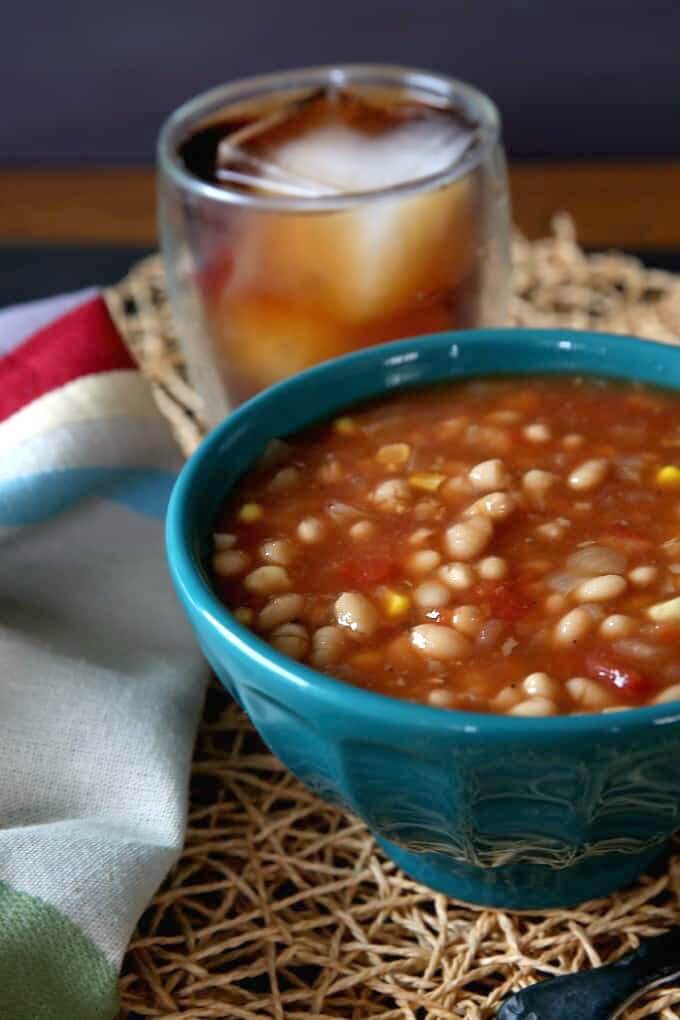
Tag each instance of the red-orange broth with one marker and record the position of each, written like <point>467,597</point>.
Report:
<point>506,546</point>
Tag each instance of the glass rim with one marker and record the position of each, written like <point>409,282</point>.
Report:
<point>198,109</point>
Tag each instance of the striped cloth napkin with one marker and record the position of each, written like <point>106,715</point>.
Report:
<point>101,683</point>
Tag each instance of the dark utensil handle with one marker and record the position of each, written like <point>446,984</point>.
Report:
<point>600,993</point>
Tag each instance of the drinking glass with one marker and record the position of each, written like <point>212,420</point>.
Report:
<point>264,284</point>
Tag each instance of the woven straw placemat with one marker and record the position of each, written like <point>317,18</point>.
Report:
<point>282,907</point>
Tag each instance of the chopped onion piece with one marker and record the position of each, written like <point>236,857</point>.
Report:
<point>597,559</point>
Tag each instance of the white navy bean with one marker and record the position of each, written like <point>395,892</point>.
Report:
<point>601,589</point>
<point>230,562</point>
<point>507,697</point>
<point>537,433</point>
<point>587,693</point>
<point>362,530</point>
<point>267,580</point>
<point>536,484</point>
<point>504,417</point>
<point>284,479</point>
<point>555,603</point>
<point>491,634</point>
<point>222,540</point>
<point>489,475</point>
<point>553,531</point>
<point>643,575</point>
<point>428,510</point>
<point>439,642</point>
<point>311,530</point>
<point>278,550</point>
<point>617,626</point>
<point>492,568</point>
<point>455,488</point>
<point>432,595</point>
<point>534,707</point>
<point>573,627</point>
<point>469,619</point>
<point>328,645</point>
<point>665,612</point>
<point>468,539</point>
<point>589,474</point>
<point>670,694</point>
<point>495,505</point>
<point>291,639</point>
<point>458,576</point>
<point>633,648</point>
<point>572,441</point>
<point>441,698</point>
<point>393,495</point>
<point>330,472</point>
<point>423,561</point>
<point>420,536</point>
<point>594,610</point>
<point>342,513</point>
<point>357,613</point>
<point>280,609</point>
<point>540,685</point>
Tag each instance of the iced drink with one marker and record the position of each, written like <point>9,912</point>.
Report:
<point>332,216</point>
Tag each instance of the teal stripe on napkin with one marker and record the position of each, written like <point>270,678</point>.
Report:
<point>33,498</point>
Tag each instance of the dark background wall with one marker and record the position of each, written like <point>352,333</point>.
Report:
<point>90,82</point>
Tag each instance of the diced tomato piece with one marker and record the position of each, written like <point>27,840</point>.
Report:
<point>622,536</point>
<point>368,570</point>
<point>609,669</point>
<point>507,601</point>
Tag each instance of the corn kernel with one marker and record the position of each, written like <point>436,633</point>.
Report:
<point>345,426</point>
<point>668,477</point>
<point>250,512</point>
<point>244,615</point>
<point>393,454</point>
<point>426,480</point>
<point>396,602</point>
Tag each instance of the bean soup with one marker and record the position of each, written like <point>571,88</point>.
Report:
<point>508,546</point>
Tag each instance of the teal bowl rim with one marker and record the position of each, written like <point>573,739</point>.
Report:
<point>381,708</point>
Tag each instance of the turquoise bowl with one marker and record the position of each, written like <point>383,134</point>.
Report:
<point>509,812</point>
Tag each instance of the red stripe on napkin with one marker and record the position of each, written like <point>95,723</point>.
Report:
<point>82,342</point>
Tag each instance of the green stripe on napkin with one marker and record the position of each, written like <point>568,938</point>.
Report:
<point>49,970</point>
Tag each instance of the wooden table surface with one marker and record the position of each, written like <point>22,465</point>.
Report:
<point>614,204</point>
